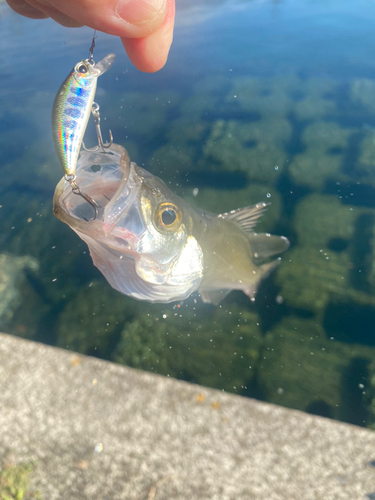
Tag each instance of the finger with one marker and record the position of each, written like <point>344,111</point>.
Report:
<point>56,15</point>
<point>25,9</point>
<point>124,18</point>
<point>150,53</point>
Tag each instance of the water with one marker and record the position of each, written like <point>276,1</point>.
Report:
<point>259,101</point>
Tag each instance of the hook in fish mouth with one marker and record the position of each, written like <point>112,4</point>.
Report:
<point>77,190</point>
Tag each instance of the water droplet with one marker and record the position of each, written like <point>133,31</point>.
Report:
<point>276,168</point>
<point>268,195</point>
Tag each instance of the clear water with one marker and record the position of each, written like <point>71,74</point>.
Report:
<point>259,101</point>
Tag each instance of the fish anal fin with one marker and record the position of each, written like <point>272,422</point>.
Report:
<point>264,245</point>
<point>246,218</point>
<point>213,296</point>
<point>263,271</point>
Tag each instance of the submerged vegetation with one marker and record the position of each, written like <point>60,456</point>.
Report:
<point>307,146</point>
<point>15,482</point>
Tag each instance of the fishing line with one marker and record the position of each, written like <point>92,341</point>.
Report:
<point>92,47</point>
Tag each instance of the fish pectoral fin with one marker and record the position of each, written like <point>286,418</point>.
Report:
<point>266,245</point>
<point>213,296</point>
<point>262,272</point>
<point>246,217</point>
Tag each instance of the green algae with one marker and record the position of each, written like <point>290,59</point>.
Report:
<point>315,99</point>
<point>306,99</point>
<point>313,274</point>
<point>270,97</point>
<point>172,159</point>
<point>15,482</point>
<point>90,323</point>
<point>220,351</point>
<point>142,113</point>
<point>369,394</point>
<point>29,227</point>
<point>13,283</point>
<point>362,93</point>
<point>323,158</point>
<point>320,218</point>
<point>255,148</point>
<point>365,166</point>
<point>300,368</point>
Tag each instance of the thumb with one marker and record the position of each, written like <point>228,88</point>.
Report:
<point>123,18</point>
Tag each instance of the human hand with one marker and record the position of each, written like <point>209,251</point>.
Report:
<point>144,26</point>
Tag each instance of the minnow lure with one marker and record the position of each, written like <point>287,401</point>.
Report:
<point>72,108</point>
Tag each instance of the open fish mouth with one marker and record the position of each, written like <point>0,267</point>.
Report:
<point>109,179</point>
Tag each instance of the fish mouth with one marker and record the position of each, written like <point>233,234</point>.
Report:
<point>109,179</point>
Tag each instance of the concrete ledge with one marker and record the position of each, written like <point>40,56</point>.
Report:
<point>100,431</point>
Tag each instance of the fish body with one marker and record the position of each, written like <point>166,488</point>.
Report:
<point>72,108</point>
<point>152,245</point>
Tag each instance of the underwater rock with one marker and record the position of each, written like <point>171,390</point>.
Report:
<point>306,99</point>
<point>369,395</point>
<point>92,321</point>
<point>322,268</point>
<point>300,368</point>
<point>169,160</point>
<point>315,99</point>
<point>366,161</point>
<point>309,278</point>
<point>212,347</point>
<point>27,222</point>
<point>185,130</point>
<point>322,160</point>
<point>319,219</point>
<point>255,148</point>
<point>13,284</point>
<point>142,114</point>
<point>270,97</point>
<point>362,92</point>
<point>199,105</point>
<point>37,169</point>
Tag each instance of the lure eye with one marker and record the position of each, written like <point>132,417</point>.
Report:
<point>82,69</point>
<point>169,216</point>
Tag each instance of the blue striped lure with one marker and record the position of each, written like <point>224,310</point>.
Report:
<point>72,108</point>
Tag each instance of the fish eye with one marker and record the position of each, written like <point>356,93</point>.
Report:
<point>168,216</point>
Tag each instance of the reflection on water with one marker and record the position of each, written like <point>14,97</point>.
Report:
<point>257,103</point>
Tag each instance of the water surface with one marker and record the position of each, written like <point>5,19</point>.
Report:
<point>259,100</point>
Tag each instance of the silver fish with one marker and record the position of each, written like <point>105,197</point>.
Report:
<point>152,245</point>
<point>72,108</point>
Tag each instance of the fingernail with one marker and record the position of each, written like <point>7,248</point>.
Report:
<point>139,11</point>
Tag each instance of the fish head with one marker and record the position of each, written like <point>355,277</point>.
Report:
<point>142,238</point>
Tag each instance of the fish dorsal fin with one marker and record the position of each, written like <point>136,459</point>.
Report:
<point>246,217</point>
<point>264,245</point>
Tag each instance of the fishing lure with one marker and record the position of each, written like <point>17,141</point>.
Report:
<point>72,107</point>
<point>71,111</point>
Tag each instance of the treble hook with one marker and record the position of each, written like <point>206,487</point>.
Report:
<point>77,190</point>
<point>101,145</point>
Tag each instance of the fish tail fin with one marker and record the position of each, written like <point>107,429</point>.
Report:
<point>263,271</point>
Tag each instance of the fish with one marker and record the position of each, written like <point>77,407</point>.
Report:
<point>153,245</point>
<point>72,107</point>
